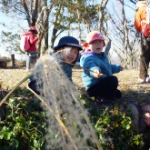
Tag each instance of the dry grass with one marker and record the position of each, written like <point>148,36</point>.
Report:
<point>128,83</point>
<point>10,77</point>
<point>131,88</point>
<point>128,80</point>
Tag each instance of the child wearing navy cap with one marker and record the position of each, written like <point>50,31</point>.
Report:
<point>67,51</point>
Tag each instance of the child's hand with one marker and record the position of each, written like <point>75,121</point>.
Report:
<point>97,74</point>
<point>122,68</point>
<point>147,118</point>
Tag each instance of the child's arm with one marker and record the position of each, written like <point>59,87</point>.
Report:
<point>137,20</point>
<point>33,39</point>
<point>91,66</point>
<point>116,68</point>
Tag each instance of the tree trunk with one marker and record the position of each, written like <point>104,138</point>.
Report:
<point>108,46</point>
<point>101,23</point>
<point>44,44</point>
<point>13,60</point>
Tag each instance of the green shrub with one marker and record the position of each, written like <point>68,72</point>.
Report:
<point>114,128</point>
<point>115,131</point>
<point>22,124</point>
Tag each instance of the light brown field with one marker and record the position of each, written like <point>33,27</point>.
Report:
<point>128,81</point>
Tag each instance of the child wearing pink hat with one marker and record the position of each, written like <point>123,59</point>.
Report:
<point>99,82</point>
<point>32,51</point>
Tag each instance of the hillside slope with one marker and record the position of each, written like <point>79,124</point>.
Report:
<point>128,82</point>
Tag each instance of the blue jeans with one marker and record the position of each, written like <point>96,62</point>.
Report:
<point>31,59</point>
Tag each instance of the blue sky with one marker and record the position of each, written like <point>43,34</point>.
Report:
<point>4,19</point>
<point>15,25</point>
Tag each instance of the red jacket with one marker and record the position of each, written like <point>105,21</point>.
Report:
<point>33,40</point>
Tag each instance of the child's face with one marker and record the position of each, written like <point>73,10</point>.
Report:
<point>69,54</point>
<point>96,46</point>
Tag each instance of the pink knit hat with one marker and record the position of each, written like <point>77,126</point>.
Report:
<point>94,35</point>
<point>33,28</point>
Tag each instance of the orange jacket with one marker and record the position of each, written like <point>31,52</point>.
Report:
<point>140,19</point>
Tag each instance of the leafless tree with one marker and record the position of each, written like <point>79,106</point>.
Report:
<point>125,35</point>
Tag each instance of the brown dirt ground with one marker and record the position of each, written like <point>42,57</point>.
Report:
<point>132,91</point>
<point>10,77</point>
<point>128,79</point>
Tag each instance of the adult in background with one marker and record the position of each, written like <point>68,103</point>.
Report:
<point>140,25</point>
<point>32,51</point>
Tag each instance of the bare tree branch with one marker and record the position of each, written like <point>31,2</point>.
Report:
<point>27,11</point>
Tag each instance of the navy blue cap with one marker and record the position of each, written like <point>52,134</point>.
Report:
<point>67,41</point>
